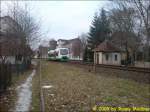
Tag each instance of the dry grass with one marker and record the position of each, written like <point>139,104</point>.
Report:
<point>75,89</point>
<point>35,106</point>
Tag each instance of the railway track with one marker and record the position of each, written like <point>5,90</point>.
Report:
<point>125,68</point>
<point>135,69</point>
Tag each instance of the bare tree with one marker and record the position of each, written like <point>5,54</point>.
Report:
<point>123,29</point>
<point>143,7</point>
<point>29,26</point>
<point>83,39</point>
<point>142,10</point>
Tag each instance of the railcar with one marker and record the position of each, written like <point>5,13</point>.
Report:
<point>59,54</point>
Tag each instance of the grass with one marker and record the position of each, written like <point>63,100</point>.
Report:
<point>8,99</point>
<point>76,89</point>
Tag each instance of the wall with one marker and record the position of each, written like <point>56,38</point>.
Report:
<point>111,58</point>
<point>98,57</point>
<point>10,59</point>
<point>142,64</point>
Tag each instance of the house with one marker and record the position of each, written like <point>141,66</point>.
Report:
<point>7,45</point>
<point>12,48</point>
<point>107,53</point>
<point>75,47</point>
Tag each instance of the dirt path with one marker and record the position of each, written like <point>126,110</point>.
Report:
<point>25,94</point>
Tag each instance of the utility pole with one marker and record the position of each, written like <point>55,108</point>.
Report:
<point>95,61</point>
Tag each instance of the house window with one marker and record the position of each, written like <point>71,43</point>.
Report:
<point>116,57</point>
<point>107,56</point>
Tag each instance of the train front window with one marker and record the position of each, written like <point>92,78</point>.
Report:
<point>63,51</point>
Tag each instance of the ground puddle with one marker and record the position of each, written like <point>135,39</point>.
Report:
<point>47,86</point>
<point>24,94</point>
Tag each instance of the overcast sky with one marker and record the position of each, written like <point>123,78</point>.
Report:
<point>63,19</point>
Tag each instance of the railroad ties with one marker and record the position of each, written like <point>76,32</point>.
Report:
<point>121,67</point>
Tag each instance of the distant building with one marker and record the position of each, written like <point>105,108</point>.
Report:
<point>43,52</point>
<point>75,47</point>
<point>52,44</point>
<point>107,53</point>
<point>61,43</point>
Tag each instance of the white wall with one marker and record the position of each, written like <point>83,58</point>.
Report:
<point>111,59</point>
<point>100,58</point>
<point>10,59</point>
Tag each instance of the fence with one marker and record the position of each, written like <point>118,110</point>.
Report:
<point>5,76</point>
<point>6,71</point>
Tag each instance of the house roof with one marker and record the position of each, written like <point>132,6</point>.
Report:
<point>75,40</point>
<point>62,40</point>
<point>107,46</point>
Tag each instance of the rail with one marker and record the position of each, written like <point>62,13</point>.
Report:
<point>121,67</point>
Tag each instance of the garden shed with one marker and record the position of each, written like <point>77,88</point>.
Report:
<point>107,53</point>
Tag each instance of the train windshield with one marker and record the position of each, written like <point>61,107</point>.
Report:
<point>63,51</point>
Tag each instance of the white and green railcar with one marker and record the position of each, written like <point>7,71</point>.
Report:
<point>59,54</point>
